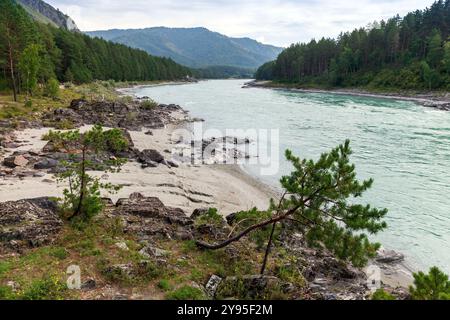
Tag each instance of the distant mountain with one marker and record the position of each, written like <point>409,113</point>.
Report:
<point>45,13</point>
<point>194,47</point>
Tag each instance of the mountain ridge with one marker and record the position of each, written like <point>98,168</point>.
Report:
<point>196,47</point>
<point>46,13</point>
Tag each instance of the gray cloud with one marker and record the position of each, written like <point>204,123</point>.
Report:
<point>279,22</point>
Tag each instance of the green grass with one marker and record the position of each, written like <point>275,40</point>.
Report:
<point>5,266</point>
<point>59,253</point>
<point>380,294</point>
<point>186,293</point>
<point>164,285</point>
<point>48,288</point>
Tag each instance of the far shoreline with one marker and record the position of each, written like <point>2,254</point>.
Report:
<point>436,100</point>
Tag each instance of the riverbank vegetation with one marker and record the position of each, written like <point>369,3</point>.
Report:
<point>33,55</point>
<point>409,53</point>
<point>53,96</point>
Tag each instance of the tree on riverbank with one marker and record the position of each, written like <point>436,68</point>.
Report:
<point>386,54</point>
<point>82,198</point>
<point>29,64</point>
<point>320,202</point>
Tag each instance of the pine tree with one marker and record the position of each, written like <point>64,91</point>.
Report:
<point>82,199</point>
<point>432,286</point>
<point>320,201</point>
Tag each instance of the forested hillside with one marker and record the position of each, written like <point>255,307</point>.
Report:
<point>412,52</point>
<point>221,72</point>
<point>194,47</point>
<point>31,52</point>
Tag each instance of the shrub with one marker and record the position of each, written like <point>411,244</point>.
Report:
<point>149,104</point>
<point>432,286</point>
<point>51,89</point>
<point>211,217</point>
<point>125,99</point>
<point>380,294</point>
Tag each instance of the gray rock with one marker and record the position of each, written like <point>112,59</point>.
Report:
<point>149,164</point>
<point>39,174</point>
<point>13,285</point>
<point>183,235</point>
<point>389,256</point>
<point>123,269</point>
<point>212,285</point>
<point>122,246</point>
<point>150,156</point>
<point>28,223</point>
<point>172,163</point>
<point>155,252</point>
<point>46,163</point>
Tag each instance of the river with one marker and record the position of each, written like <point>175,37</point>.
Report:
<point>405,147</point>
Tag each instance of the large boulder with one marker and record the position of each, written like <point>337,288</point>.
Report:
<point>63,115</point>
<point>149,219</point>
<point>28,223</point>
<point>150,158</point>
<point>131,115</point>
<point>147,207</point>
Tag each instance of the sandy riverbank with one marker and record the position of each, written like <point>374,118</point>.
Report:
<point>225,187</point>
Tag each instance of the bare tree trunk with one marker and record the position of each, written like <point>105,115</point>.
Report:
<point>83,185</point>
<point>269,244</point>
<point>11,67</point>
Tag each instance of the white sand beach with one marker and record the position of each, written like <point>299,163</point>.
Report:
<point>225,187</point>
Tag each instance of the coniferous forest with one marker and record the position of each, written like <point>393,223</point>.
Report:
<point>31,52</point>
<point>412,52</point>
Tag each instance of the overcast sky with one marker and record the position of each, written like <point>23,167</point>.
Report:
<point>278,22</point>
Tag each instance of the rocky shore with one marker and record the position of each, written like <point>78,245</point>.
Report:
<point>162,199</point>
